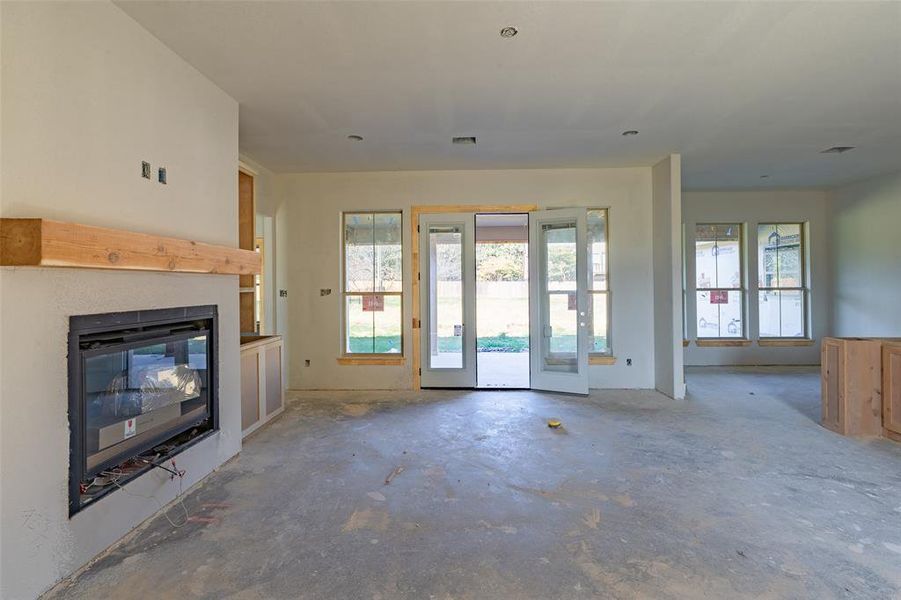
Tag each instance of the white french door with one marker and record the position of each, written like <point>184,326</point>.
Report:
<point>558,292</point>
<point>447,300</point>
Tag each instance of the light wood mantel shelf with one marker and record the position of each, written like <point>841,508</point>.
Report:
<point>46,243</point>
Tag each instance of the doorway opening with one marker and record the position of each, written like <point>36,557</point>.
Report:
<point>502,300</point>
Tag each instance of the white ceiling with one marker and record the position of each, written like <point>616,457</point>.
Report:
<point>739,89</point>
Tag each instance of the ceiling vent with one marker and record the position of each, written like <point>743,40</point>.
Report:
<point>464,141</point>
<point>837,150</point>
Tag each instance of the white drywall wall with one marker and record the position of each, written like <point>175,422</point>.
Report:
<point>313,205</point>
<point>865,257</point>
<point>669,375</point>
<point>751,208</point>
<point>87,95</point>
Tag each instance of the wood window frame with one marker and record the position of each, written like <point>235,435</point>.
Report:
<point>377,358</point>
<point>805,339</point>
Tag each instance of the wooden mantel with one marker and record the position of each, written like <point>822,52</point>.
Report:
<point>46,243</point>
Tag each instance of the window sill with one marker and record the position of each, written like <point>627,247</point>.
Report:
<point>785,342</point>
<point>722,343</point>
<point>373,361</point>
<point>601,360</point>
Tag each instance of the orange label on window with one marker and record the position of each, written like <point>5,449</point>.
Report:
<point>719,297</point>
<point>373,303</point>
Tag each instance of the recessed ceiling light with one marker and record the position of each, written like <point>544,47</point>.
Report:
<point>764,176</point>
<point>355,138</point>
<point>509,32</point>
<point>837,150</point>
<point>464,141</point>
<point>630,132</point>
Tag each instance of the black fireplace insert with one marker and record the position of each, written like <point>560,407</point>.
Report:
<point>143,386</point>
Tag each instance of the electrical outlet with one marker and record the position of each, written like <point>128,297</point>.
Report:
<point>325,291</point>
<point>145,169</point>
<point>283,293</point>
<point>161,175</point>
<point>628,362</point>
<point>307,362</point>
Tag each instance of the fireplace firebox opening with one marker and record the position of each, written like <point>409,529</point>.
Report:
<point>143,387</point>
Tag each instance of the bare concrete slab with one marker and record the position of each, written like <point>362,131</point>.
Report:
<point>736,492</point>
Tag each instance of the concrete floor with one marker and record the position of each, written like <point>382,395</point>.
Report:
<point>733,493</point>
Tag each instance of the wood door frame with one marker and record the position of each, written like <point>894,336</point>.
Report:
<point>417,210</point>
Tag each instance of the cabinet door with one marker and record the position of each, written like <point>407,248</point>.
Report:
<point>250,389</point>
<point>891,388</point>
<point>832,388</point>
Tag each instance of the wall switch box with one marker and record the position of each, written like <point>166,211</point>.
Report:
<point>161,175</point>
<point>145,169</point>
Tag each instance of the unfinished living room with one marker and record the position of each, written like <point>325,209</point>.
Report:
<point>452,300</point>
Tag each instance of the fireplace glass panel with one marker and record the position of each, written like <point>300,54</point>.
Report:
<point>139,393</point>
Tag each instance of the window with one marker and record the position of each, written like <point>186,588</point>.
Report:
<point>598,282</point>
<point>373,283</point>
<point>782,295</point>
<point>719,280</point>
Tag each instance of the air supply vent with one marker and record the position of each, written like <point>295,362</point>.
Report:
<point>465,141</point>
<point>837,150</point>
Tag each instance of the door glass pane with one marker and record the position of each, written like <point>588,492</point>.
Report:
<point>560,315</point>
<point>560,257</point>
<point>445,297</point>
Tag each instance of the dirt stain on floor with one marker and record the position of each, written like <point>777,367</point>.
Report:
<point>367,518</point>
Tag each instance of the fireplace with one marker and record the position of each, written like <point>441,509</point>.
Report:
<point>143,387</point>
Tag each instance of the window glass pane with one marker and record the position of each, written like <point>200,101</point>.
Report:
<point>358,325</point>
<point>359,257</point>
<point>720,314</point>
<point>782,313</point>
<point>388,257</point>
<point>599,341</point>
<point>718,256</point>
<point>792,313</point>
<point>780,255</point>
<point>446,298</point>
<point>387,325</point>
<point>560,248</point>
<point>769,308</point>
<point>597,249</point>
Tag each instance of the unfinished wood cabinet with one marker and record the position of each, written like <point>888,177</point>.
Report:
<point>852,385</point>
<point>891,391</point>
<point>262,381</point>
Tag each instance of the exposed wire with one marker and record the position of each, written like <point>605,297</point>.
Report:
<point>181,503</point>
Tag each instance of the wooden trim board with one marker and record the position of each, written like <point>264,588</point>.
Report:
<point>374,361</point>
<point>46,243</point>
<point>415,211</point>
<point>722,343</point>
<point>601,360</point>
<point>786,342</point>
